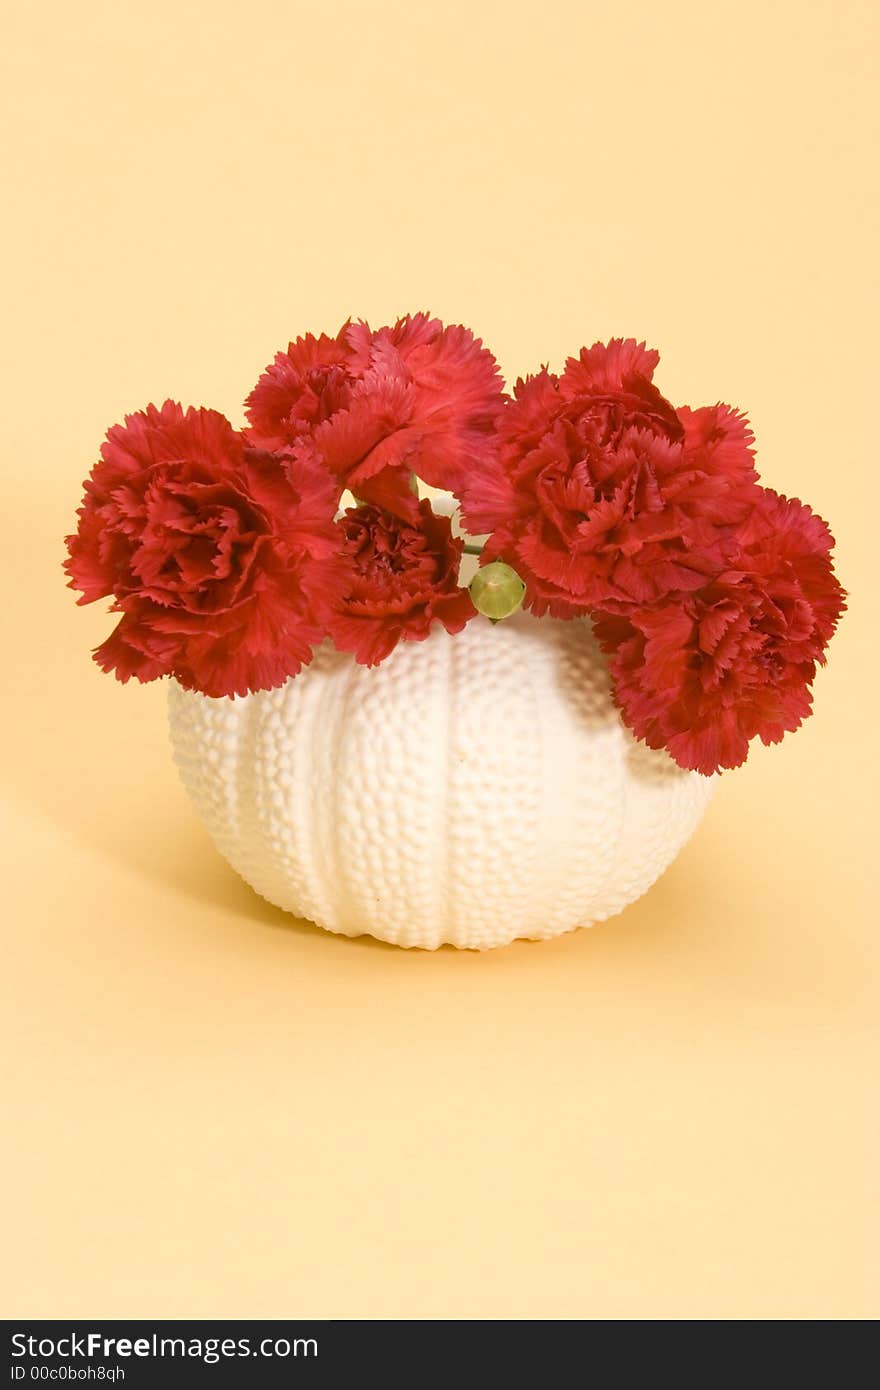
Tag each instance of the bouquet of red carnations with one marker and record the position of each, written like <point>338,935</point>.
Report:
<point>229,555</point>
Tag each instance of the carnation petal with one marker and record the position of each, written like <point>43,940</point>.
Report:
<point>719,439</point>
<point>612,366</point>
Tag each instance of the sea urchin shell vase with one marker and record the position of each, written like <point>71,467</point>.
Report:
<point>471,789</point>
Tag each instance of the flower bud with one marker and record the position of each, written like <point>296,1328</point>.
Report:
<point>497,590</point>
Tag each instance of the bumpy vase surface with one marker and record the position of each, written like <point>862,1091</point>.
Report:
<point>471,789</point>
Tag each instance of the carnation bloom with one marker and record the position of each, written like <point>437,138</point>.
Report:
<point>412,398</point>
<point>602,492</point>
<point>221,562</point>
<point>703,675</point>
<point>306,385</point>
<point>402,576</point>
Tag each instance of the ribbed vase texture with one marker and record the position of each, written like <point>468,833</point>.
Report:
<point>470,790</point>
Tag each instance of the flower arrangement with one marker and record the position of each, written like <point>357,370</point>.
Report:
<point>229,556</point>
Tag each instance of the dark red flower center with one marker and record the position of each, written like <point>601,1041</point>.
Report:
<point>195,538</point>
<point>384,547</point>
<point>770,659</point>
<point>327,389</point>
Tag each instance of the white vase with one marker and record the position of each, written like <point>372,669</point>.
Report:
<point>471,789</point>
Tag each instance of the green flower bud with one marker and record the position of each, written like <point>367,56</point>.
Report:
<point>496,590</point>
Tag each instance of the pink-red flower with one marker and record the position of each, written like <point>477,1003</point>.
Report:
<point>402,576</point>
<point>602,493</point>
<point>309,383</point>
<point>378,405</point>
<point>221,562</point>
<point>708,672</point>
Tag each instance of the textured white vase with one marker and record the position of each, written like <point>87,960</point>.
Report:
<point>471,789</point>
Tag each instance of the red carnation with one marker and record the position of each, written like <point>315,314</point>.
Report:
<point>703,675</point>
<point>402,576</point>
<point>221,562</point>
<point>412,398</point>
<point>304,386</point>
<point>602,493</point>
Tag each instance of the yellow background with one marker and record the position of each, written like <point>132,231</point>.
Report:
<point>215,1110</point>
